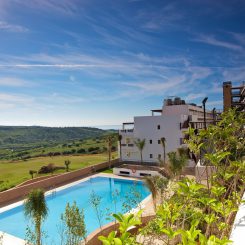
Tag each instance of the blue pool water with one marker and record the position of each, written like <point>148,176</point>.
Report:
<point>111,190</point>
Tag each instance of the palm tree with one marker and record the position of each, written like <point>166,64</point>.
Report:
<point>32,172</point>
<point>150,184</point>
<point>156,185</point>
<point>177,162</point>
<point>35,208</point>
<point>140,145</point>
<point>163,142</point>
<point>109,145</point>
<point>67,163</point>
<point>119,137</point>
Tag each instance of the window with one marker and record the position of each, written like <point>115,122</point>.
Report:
<point>158,126</point>
<point>159,142</point>
<point>150,141</point>
<point>130,145</point>
<point>151,155</point>
<point>181,141</point>
<point>145,174</point>
<point>159,156</point>
<point>124,172</point>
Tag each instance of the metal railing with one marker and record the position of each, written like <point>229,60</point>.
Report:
<point>126,131</point>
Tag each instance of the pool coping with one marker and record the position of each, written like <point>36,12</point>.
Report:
<point>47,193</point>
<point>9,239</point>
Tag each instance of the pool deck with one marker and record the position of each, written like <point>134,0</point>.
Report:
<point>7,239</point>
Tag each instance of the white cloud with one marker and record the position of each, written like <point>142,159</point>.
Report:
<point>158,87</point>
<point>15,98</point>
<point>162,17</point>
<point>68,7</point>
<point>234,75</point>
<point>4,26</point>
<point>192,96</point>
<point>215,42</point>
<point>13,82</point>
<point>215,103</point>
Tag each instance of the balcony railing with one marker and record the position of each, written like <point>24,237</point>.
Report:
<point>200,125</point>
<point>126,131</point>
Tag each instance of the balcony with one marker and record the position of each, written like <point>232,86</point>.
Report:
<point>126,131</point>
<point>200,125</point>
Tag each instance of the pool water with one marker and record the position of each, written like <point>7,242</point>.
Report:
<point>114,194</point>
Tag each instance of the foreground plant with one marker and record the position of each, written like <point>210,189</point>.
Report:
<point>126,223</point>
<point>36,209</point>
<point>203,214</point>
<point>157,186</point>
<point>74,225</point>
<point>95,201</point>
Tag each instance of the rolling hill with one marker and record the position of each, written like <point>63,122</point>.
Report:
<point>27,138</point>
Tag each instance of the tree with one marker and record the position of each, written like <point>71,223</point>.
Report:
<point>95,201</point>
<point>140,145</point>
<point>120,144</point>
<point>109,145</point>
<point>163,143</point>
<point>67,163</point>
<point>35,208</point>
<point>75,228</point>
<point>156,185</point>
<point>32,172</point>
<point>176,162</point>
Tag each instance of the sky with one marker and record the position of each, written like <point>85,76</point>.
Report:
<point>102,62</point>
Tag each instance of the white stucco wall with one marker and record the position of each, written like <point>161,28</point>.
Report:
<point>238,230</point>
<point>147,128</point>
<point>135,173</point>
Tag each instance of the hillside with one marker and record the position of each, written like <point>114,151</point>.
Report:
<point>16,139</point>
<point>10,135</point>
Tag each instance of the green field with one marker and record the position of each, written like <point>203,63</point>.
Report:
<point>15,172</point>
<point>19,143</point>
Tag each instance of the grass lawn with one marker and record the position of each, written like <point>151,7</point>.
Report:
<point>108,171</point>
<point>13,173</point>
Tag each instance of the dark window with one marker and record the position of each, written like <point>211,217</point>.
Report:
<point>151,156</point>
<point>130,145</point>
<point>124,172</point>
<point>150,141</point>
<point>158,126</point>
<point>159,156</point>
<point>159,142</point>
<point>144,174</point>
<point>123,145</point>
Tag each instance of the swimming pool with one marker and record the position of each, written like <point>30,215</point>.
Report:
<point>114,193</point>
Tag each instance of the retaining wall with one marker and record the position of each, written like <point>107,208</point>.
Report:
<point>19,193</point>
<point>92,239</point>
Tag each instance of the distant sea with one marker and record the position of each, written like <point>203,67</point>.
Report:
<point>116,127</point>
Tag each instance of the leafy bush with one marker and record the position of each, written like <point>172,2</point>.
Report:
<point>94,149</point>
<point>67,152</point>
<point>81,150</point>
<point>50,168</point>
<point>74,225</point>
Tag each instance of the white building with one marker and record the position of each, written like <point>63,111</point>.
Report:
<point>174,118</point>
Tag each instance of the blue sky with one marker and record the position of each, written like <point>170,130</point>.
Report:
<point>101,62</point>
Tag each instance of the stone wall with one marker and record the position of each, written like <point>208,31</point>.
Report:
<point>19,193</point>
